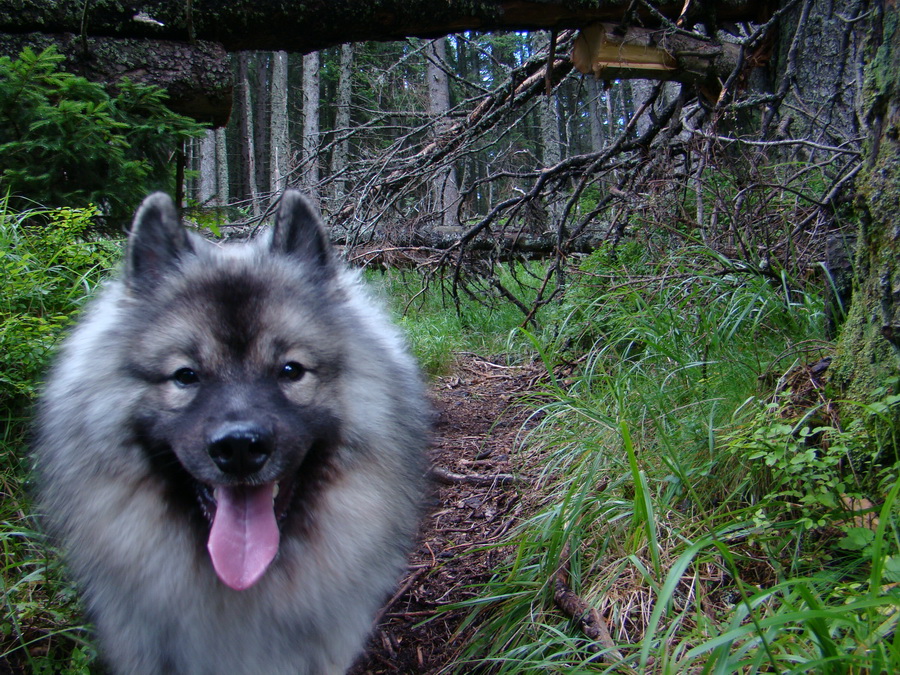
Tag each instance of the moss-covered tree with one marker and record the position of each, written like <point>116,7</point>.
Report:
<point>869,347</point>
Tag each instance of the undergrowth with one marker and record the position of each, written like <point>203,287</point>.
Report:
<point>49,262</point>
<point>698,486</point>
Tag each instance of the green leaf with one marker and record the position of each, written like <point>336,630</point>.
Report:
<point>856,538</point>
<point>892,568</point>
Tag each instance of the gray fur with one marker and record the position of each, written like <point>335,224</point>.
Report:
<point>120,444</point>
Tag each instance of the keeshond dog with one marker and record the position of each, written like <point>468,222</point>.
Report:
<point>230,451</point>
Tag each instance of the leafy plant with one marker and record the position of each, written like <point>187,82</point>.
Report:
<point>48,262</point>
<point>807,467</point>
<point>66,141</point>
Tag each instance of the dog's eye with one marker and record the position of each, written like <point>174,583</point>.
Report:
<point>292,371</point>
<point>185,377</point>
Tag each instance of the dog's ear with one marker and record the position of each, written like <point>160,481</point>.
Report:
<point>156,243</point>
<point>299,231</point>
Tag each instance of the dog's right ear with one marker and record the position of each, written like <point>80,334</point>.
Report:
<point>156,243</point>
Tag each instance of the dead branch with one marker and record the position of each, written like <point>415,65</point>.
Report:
<point>656,148</point>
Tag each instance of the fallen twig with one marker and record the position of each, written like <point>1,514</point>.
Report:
<point>410,580</point>
<point>576,608</point>
<point>449,478</point>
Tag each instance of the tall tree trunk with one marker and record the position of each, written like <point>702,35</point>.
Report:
<point>222,185</point>
<point>446,190</point>
<point>868,352</point>
<point>595,96</point>
<point>280,148</point>
<point>207,186</point>
<point>341,151</point>
<point>550,142</point>
<point>548,114</point>
<point>262,120</point>
<point>247,132</point>
<point>192,167</point>
<point>551,146</point>
<point>825,110</point>
<point>642,90</point>
<point>310,160</point>
<point>213,186</point>
<point>551,150</point>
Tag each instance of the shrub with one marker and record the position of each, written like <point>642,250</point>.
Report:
<point>65,141</point>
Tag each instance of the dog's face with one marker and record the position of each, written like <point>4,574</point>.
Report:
<point>241,365</point>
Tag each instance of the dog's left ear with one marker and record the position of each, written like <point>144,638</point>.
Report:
<point>299,231</point>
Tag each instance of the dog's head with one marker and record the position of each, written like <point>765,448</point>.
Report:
<point>239,351</point>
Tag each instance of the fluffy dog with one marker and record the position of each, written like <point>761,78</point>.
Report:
<point>230,450</point>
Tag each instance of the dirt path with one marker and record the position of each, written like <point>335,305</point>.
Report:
<point>474,434</point>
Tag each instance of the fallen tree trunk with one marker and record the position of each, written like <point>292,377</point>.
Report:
<point>181,45</point>
<point>197,77</point>
<point>306,27</point>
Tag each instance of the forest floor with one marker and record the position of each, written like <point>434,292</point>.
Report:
<point>474,503</point>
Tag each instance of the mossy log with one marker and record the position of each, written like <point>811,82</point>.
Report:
<point>308,26</point>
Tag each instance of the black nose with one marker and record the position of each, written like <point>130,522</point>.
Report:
<point>240,449</point>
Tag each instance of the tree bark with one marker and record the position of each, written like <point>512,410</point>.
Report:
<point>207,180</point>
<point>263,120</point>
<point>341,150</point>
<point>446,190</point>
<point>830,82</point>
<point>213,185</point>
<point>595,94</point>
<point>551,145</point>
<point>868,352</point>
<point>247,132</point>
<point>222,187</point>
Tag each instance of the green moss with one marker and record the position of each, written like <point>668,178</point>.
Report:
<point>864,359</point>
<point>885,67</point>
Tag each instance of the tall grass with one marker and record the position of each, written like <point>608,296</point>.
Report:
<point>48,263</point>
<point>440,326</point>
<point>705,551</point>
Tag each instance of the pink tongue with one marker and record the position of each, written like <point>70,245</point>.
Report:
<point>244,535</point>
